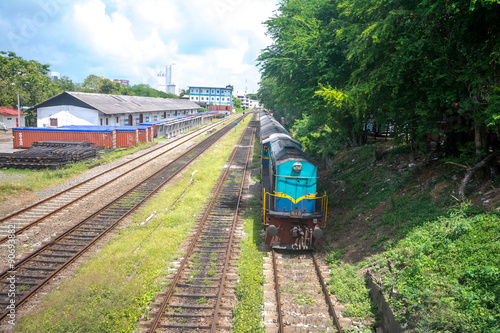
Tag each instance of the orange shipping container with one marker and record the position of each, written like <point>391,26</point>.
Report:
<point>142,135</point>
<point>127,138</point>
<point>24,137</point>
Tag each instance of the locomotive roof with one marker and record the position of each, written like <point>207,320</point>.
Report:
<point>284,150</point>
<point>272,128</point>
<point>281,136</point>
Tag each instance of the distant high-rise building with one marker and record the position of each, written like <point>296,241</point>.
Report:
<point>166,80</point>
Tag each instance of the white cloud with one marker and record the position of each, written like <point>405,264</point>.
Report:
<point>212,42</point>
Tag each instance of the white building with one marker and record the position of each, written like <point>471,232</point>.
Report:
<point>211,95</point>
<point>75,108</point>
<point>166,81</point>
<point>8,117</point>
<point>247,103</point>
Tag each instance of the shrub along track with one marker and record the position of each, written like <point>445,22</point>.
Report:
<point>198,297</point>
<point>36,213</point>
<point>303,303</point>
<point>27,276</point>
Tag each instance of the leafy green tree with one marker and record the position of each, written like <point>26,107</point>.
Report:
<point>253,97</point>
<point>236,102</point>
<point>409,64</point>
<point>101,85</point>
<point>29,77</point>
<point>91,84</point>
<point>146,90</point>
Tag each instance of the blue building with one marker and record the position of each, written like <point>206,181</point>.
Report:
<point>211,95</point>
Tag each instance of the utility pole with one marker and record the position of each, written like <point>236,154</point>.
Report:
<point>18,110</point>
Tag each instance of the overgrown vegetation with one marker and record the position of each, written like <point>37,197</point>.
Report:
<point>446,274</point>
<point>373,175</point>
<point>440,271</point>
<point>247,312</point>
<point>349,288</point>
<point>110,292</point>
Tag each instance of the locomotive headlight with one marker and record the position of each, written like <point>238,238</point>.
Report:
<point>297,167</point>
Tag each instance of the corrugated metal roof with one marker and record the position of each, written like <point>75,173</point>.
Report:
<point>9,111</point>
<point>115,104</point>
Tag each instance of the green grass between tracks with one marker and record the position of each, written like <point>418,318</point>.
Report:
<point>247,312</point>
<point>112,290</point>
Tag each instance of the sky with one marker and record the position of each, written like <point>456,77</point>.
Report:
<point>211,42</point>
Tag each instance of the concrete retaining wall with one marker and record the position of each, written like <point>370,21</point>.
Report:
<point>388,323</point>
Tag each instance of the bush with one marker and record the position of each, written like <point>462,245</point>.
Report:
<point>448,276</point>
<point>350,289</point>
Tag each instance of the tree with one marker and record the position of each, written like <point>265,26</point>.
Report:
<point>184,92</point>
<point>101,85</point>
<point>146,90</point>
<point>236,102</point>
<point>29,77</point>
<point>408,63</point>
<point>253,97</point>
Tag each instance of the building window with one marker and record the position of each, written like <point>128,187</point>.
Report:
<point>217,92</point>
<point>117,120</point>
<point>126,122</point>
<point>9,120</point>
<point>107,121</point>
<point>53,122</point>
<point>147,118</point>
<point>137,120</point>
<point>156,118</point>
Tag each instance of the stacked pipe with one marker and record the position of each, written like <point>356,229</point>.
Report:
<point>49,154</point>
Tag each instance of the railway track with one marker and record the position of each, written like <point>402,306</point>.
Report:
<point>28,275</point>
<point>201,296</point>
<point>302,300</point>
<point>38,212</point>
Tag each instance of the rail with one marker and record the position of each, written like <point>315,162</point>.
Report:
<point>40,217</point>
<point>196,241</point>
<point>300,272</point>
<point>84,234</point>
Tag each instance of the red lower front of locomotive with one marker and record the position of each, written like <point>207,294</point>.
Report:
<point>293,234</point>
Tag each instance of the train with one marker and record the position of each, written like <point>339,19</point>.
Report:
<point>294,214</point>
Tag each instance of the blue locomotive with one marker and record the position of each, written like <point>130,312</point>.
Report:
<point>294,214</point>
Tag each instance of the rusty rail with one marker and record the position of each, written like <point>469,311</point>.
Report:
<point>208,210</point>
<point>70,231</point>
<point>37,221</point>
<point>331,309</point>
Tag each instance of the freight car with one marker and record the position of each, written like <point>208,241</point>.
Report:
<point>294,214</point>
